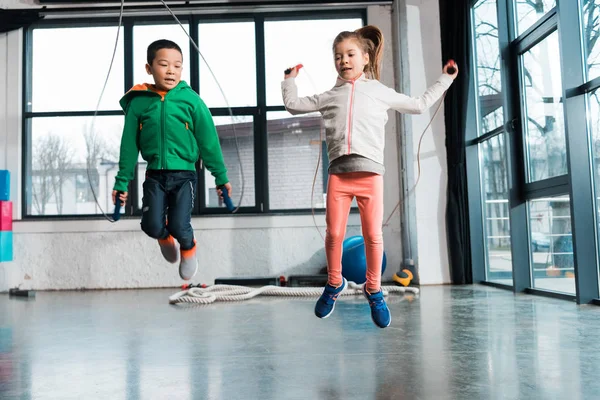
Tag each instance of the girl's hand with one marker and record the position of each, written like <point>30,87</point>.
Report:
<point>123,198</point>
<point>293,73</point>
<point>451,64</point>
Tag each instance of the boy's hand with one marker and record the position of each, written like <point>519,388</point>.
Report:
<point>123,197</point>
<point>228,187</point>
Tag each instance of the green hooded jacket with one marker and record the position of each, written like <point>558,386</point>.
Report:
<point>171,132</point>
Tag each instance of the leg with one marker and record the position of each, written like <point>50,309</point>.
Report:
<point>182,192</point>
<point>154,208</point>
<point>181,197</point>
<point>339,198</point>
<point>154,212</point>
<point>370,203</point>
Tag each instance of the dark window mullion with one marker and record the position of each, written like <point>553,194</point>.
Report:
<point>274,108</point>
<point>587,87</point>
<point>224,111</point>
<point>486,136</point>
<point>194,66</point>
<point>194,56</point>
<point>49,114</point>
<point>133,199</point>
<point>476,214</point>
<point>26,122</point>
<point>128,54</point>
<point>513,144</point>
<point>261,145</point>
<point>27,169</point>
<point>555,186</point>
<point>509,12</point>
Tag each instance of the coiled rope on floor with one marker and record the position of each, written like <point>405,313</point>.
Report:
<point>217,293</point>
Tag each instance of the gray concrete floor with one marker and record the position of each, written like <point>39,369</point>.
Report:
<point>469,342</point>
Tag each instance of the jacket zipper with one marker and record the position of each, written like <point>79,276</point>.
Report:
<point>350,118</point>
<point>162,136</point>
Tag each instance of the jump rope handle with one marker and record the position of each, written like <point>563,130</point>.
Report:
<point>287,71</point>
<point>451,70</point>
<point>227,199</point>
<point>117,213</point>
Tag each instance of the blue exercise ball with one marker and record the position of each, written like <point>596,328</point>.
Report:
<point>354,260</point>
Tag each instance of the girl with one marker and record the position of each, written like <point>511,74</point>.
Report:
<point>355,113</point>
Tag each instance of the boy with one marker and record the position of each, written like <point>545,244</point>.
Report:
<point>172,128</point>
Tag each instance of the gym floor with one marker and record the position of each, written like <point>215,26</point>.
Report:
<point>467,342</point>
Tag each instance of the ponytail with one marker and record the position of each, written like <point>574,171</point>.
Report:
<point>373,42</point>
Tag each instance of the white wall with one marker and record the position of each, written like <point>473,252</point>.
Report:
<point>424,48</point>
<point>11,43</point>
<point>10,127</point>
<point>382,17</point>
<point>97,254</point>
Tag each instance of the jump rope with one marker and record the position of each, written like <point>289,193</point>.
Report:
<point>227,200</point>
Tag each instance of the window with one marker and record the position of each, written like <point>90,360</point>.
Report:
<point>545,127</point>
<point>313,48</point>
<point>594,129</point>
<point>491,113</point>
<point>536,125</point>
<point>551,242</point>
<point>492,146</point>
<point>496,210</point>
<point>528,12</point>
<point>241,129</point>
<point>295,142</point>
<point>61,81</point>
<point>294,147</point>
<point>72,157</point>
<point>64,151</point>
<point>232,58</point>
<point>83,189</point>
<point>591,34</point>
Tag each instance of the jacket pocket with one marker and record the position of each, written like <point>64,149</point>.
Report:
<point>148,140</point>
<point>191,150</point>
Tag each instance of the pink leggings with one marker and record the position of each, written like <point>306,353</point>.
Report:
<point>367,187</point>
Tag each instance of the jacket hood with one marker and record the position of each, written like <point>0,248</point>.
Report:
<point>146,89</point>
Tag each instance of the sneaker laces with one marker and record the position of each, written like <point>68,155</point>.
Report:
<point>379,304</point>
<point>329,295</point>
<point>377,301</point>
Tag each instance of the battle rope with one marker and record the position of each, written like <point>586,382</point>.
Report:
<point>218,293</point>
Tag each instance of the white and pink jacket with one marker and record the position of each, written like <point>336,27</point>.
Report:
<point>355,112</point>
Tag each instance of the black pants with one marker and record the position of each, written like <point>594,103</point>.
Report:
<point>167,205</point>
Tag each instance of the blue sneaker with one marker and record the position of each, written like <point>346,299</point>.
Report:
<point>326,302</point>
<point>380,313</point>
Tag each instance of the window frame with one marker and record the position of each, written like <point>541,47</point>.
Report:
<point>258,113</point>
<point>577,183</point>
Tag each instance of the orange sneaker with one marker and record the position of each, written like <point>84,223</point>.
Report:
<point>169,249</point>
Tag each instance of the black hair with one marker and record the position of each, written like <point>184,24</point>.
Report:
<point>158,45</point>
